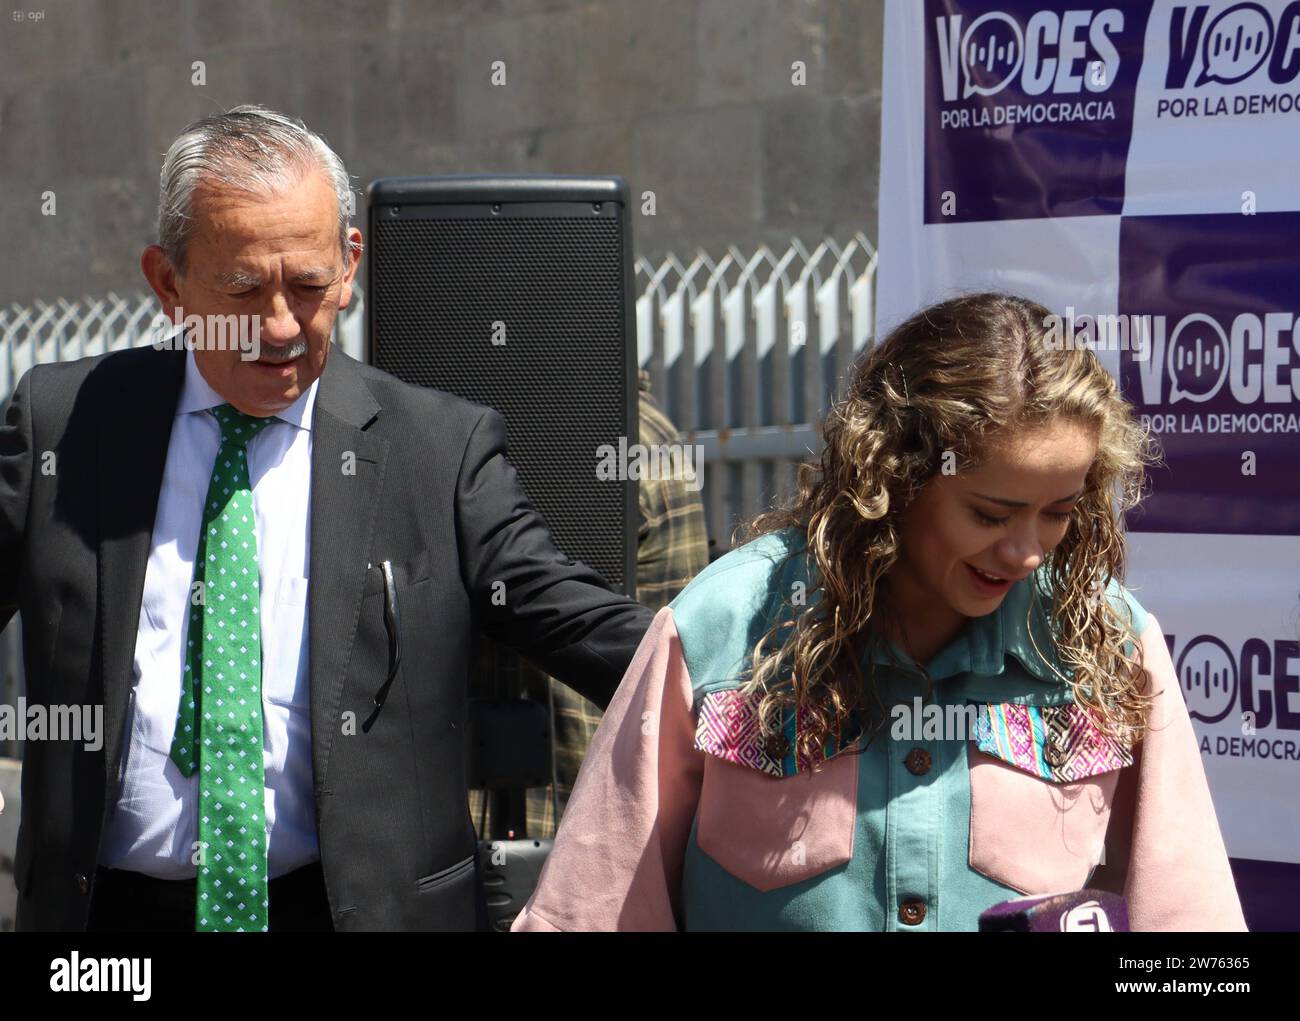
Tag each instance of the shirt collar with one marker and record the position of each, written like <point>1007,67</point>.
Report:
<point>984,643</point>
<point>198,395</point>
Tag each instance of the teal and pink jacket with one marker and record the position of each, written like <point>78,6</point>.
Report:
<point>682,819</point>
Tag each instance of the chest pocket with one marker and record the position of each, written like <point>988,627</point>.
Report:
<point>766,828</point>
<point>1042,781</point>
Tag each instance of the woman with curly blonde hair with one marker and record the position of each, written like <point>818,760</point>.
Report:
<point>920,688</point>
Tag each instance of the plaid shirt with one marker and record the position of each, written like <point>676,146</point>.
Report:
<point>672,547</point>
<point>672,543</point>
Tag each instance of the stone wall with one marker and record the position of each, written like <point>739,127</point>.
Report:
<point>690,99</point>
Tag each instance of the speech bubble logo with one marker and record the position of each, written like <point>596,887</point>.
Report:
<point>1208,675</point>
<point>1236,44</point>
<point>1197,360</point>
<point>992,51</point>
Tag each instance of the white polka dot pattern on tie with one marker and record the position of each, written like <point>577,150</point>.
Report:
<point>227,742</point>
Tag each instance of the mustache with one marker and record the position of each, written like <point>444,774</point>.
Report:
<point>287,353</point>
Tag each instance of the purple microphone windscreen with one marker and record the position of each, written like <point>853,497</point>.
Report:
<point>1076,911</point>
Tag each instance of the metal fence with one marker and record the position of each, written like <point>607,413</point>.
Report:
<point>745,354</point>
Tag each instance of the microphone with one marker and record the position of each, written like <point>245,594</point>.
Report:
<point>1073,911</point>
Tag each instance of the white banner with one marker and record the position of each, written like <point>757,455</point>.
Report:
<point>1134,158</point>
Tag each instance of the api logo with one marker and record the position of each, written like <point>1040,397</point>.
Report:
<point>1058,52</point>
<point>1233,45</point>
<point>1213,683</point>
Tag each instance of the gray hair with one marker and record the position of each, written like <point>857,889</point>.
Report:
<point>250,148</point>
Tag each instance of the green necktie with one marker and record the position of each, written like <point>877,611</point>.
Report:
<point>222,683</point>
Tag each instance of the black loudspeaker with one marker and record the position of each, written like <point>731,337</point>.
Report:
<point>515,291</point>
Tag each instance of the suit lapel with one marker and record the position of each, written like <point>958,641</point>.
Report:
<point>136,404</point>
<point>347,472</point>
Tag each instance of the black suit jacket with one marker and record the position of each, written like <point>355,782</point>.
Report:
<point>431,491</point>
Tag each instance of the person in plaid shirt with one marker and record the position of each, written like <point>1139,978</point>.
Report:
<point>672,547</point>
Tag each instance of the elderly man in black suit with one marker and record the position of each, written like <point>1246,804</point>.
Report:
<point>268,570</point>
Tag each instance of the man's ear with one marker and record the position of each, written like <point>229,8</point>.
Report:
<point>158,270</point>
<point>350,270</point>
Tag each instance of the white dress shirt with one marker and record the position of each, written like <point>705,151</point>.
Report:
<point>153,828</point>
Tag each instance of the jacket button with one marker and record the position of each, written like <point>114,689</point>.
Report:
<point>911,912</point>
<point>1054,754</point>
<point>918,761</point>
<point>83,884</point>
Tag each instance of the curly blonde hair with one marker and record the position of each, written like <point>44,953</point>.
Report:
<point>943,381</point>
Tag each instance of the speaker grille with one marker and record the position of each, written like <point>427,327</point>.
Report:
<point>439,284</point>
